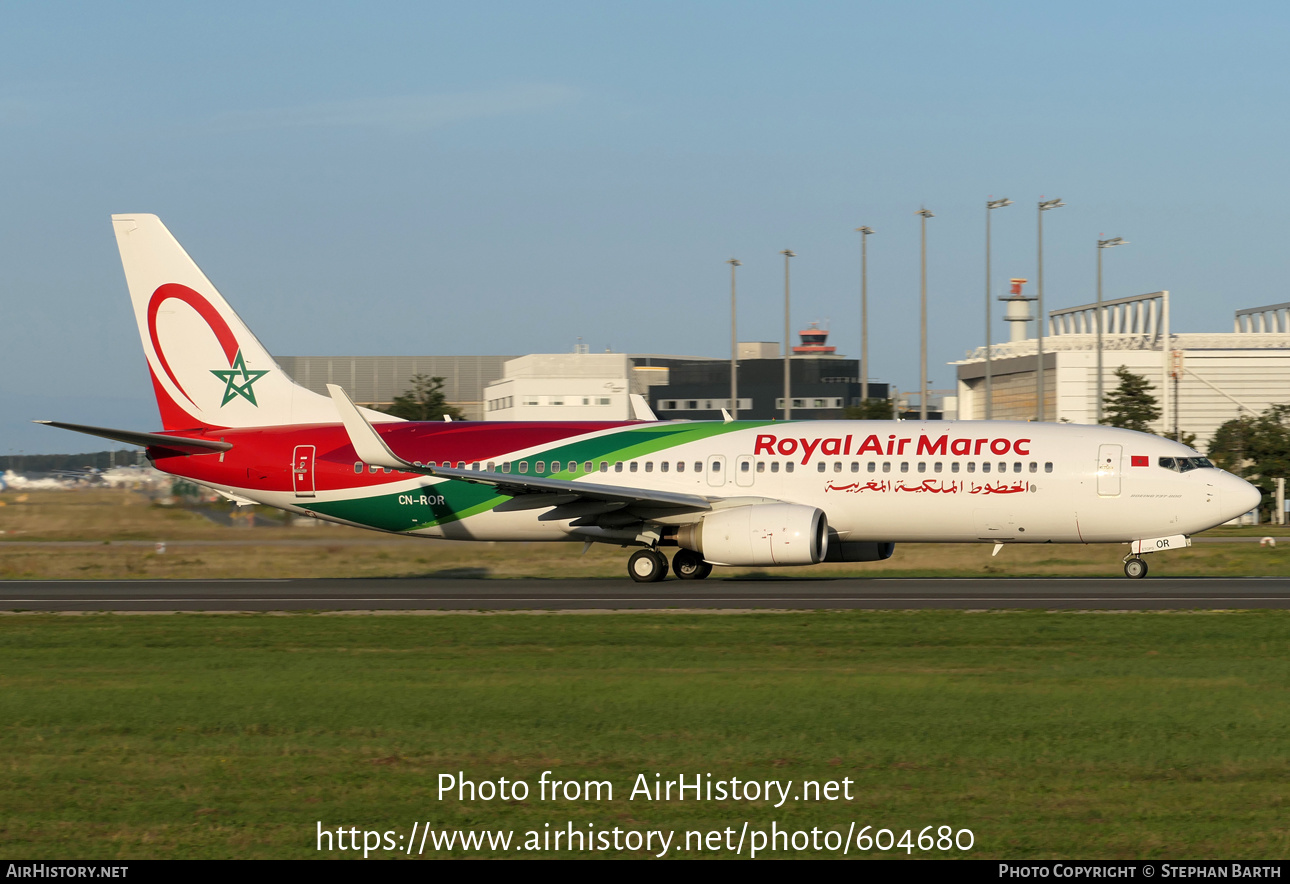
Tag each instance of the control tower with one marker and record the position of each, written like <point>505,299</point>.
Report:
<point>1018,311</point>
<point>813,339</point>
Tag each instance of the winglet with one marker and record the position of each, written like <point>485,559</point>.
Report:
<point>725,416</point>
<point>641,408</point>
<point>368,445</point>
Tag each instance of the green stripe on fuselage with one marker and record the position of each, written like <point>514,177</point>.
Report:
<point>407,511</point>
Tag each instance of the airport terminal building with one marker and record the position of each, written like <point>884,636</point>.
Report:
<point>1201,380</point>
<point>595,386</point>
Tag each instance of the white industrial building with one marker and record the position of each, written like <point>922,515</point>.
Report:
<point>1201,380</point>
<point>577,386</point>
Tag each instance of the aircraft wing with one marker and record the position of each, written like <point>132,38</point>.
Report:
<point>371,449</point>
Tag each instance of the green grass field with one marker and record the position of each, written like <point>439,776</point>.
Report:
<point>1046,734</point>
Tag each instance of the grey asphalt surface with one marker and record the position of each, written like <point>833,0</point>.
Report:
<point>455,594</point>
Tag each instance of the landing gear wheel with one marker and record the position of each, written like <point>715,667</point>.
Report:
<point>689,565</point>
<point>1135,569</point>
<point>647,566</point>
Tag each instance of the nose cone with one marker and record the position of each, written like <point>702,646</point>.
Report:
<point>1236,496</point>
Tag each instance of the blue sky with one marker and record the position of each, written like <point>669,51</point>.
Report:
<point>508,177</point>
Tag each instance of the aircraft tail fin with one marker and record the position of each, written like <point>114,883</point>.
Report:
<point>208,369</point>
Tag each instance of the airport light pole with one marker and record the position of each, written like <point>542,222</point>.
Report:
<point>989,373</point>
<point>1103,244</point>
<point>864,312</point>
<point>734,344</point>
<point>923,215</point>
<point>1044,206</point>
<point>788,352</point>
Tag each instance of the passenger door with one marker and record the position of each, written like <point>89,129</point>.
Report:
<point>302,471</point>
<point>1108,470</point>
<point>717,469</point>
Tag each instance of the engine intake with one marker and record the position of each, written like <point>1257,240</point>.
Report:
<point>760,534</point>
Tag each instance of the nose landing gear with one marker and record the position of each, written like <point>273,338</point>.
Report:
<point>1135,568</point>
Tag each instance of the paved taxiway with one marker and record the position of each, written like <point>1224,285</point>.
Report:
<point>499,595</point>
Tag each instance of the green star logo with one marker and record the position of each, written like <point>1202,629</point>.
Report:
<point>233,389</point>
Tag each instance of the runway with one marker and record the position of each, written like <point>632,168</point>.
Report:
<point>568,595</point>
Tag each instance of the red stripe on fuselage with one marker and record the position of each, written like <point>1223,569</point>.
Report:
<point>261,458</point>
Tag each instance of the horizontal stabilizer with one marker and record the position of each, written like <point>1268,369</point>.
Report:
<point>150,440</point>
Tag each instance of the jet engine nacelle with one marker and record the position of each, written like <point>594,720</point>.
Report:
<point>760,534</point>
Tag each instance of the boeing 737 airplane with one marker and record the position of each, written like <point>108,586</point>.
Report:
<point>745,493</point>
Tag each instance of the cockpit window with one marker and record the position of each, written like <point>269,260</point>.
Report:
<point>1186,464</point>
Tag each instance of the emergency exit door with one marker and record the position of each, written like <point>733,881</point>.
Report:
<point>1108,470</point>
<point>302,471</point>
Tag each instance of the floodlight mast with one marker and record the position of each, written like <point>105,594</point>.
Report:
<point>923,214</point>
<point>1103,244</point>
<point>989,373</point>
<point>1044,206</point>
<point>734,343</point>
<point>788,350</point>
<point>864,312</point>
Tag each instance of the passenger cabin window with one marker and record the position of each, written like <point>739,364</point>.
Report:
<point>604,466</point>
<point>1048,467</point>
<point>506,467</point>
<point>922,467</point>
<point>1034,467</point>
<point>358,466</point>
<point>618,466</point>
<point>680,466</point>
<point>632,468</point>
<point>774,466</point>
<point>837,466</point>
<point>971,466</point>
<point>588,467</point>
<point>649,466</point>
<point>904,466</point>
<point>872,467</point>
<point>539,467</point>
<point>573,466</point>
<point>985,467</point>
<point>788,466</point>
<point>855,466</point>
<point>761,466</point>
<point>716,466</point>
<point>524,466</point>
<point>663,466</point>
<point>886,466</point>
<point>954,467</point>
<point>819,468</point>
<point>698,466</point>
<point>743,466</point>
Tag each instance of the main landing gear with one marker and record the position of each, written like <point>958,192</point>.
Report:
<point>1135,568</point>
<point>689,565</point>
<point>650,565</point>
